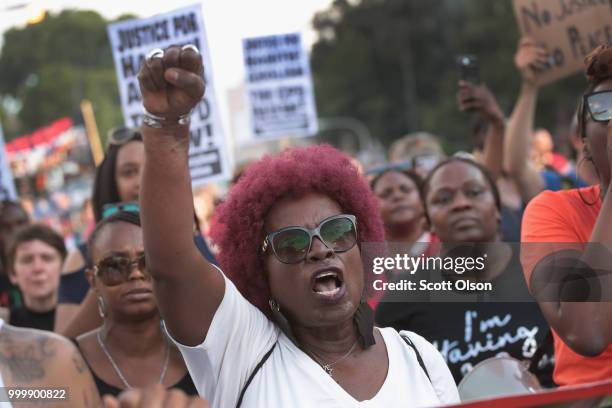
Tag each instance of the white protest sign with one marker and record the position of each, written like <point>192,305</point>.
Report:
<point>131,40</point>
<point>279,87</point>
<point>7,185</point>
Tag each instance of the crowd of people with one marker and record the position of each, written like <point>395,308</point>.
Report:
<point>279,310</point>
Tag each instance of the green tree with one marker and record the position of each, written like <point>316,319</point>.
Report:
<point>48,68</point>
<point>391,64</point>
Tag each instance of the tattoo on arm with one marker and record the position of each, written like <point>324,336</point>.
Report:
<point>25,357</point>
<point>33,359</point>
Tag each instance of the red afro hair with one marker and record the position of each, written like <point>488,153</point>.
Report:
<point>238,225</point>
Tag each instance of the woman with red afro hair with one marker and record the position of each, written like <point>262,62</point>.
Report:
<point>239,221</point>
<point>291,326</point>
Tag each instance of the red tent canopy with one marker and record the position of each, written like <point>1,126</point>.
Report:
<point>42,136</point>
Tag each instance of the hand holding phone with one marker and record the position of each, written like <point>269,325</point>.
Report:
<point>468,69</point>
<point>478,98</point>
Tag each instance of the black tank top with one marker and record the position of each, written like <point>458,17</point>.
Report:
<point>24,317</point>
<point>185,384</point>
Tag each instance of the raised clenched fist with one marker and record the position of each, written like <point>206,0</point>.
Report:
<point>171,81</point>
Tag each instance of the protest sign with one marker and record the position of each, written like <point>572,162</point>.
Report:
<point>569,29</point>
<point>7,185</point>
<point>279,87</point>
<point>131,40</point>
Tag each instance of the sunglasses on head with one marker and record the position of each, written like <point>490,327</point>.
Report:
<point>291,245</point>
<point>111,209</point>
<point>400,166</point>
<point>599,105</point>
<point>116,269</point>
<point>121,135</point>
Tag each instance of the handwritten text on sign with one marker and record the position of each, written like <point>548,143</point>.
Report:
<point>570,29</point>
<point>279,87</point>
<point>131,41</point>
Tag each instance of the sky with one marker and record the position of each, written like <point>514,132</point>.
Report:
<point>227,22</point>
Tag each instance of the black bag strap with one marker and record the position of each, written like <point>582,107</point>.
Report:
<point>418,355</point>
<point>257,367</point>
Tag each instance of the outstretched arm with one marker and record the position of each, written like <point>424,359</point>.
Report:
<point>188,288</point>
<point>517,142</point>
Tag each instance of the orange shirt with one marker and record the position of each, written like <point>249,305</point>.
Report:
<point>554,218</point>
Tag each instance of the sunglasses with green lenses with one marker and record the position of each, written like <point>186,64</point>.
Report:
<point>291,245</point>
<point>599,105</point>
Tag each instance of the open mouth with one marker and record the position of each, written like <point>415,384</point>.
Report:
<point>328,284</point>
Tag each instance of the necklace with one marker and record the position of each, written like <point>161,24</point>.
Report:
<point>118,371</point>
<point>329,367</point>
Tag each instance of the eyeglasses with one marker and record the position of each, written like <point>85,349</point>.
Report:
<point>599,105</point>
<point>292,244</point>
<point>121,135</point>
<point>111,209</point>
<point>115,269</point>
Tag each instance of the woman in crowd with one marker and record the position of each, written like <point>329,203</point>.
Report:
<point>291,327</point>
<point>567,238</point>
<point>117,180</point>
<point>401,209</point>
<point>463,206</point>
<point>130,349</point>
<point>402,214</point>
<point>35,258</point>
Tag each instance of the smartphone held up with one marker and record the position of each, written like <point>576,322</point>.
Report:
<point>468,69</point>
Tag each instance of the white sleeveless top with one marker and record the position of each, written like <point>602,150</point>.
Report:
<point>3,397</point>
